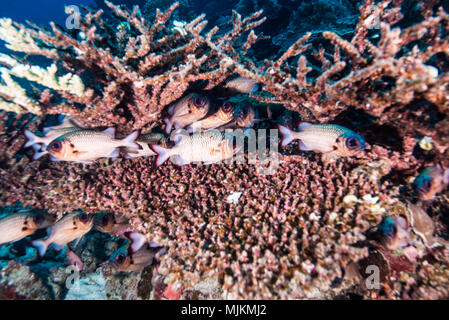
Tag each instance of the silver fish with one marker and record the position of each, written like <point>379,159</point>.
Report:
<point>18,226</point>
<point>89,145</point>
<point>144,141</point>
<point>136,261</point>
<point>186,111</point>
<point>329,139</point>
<point>69,228</point>
<point>222,116</point>
<point>208,147</point>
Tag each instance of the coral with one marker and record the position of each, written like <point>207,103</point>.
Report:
<point>18,282</point>
<point>126,83</point>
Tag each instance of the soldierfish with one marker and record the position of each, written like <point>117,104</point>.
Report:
<point>69,228</point>
<point>431,181</point>
<point>89,145</point>
<point>208,147</point>
<point>51,133</point>
<point>222,116</point>
<point>18,226</point>
<point>136,261</point>
<point>186,111</point>
<point>120,228</point>
<point>244,117</point>
<point>45,140</point>
<point>144,141</point>
<point>329,139</point>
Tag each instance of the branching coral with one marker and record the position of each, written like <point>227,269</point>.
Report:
<point>128,80</point>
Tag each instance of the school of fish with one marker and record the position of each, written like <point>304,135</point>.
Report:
<point>195,132</point>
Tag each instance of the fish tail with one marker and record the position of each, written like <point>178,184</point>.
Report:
<point>167,125</point>
<point>162,154</point>
<point>286,135</point>
<point>137,240</point>
<point>130,141</point>
<point>37,152</point>
<point>32,138</point>
<point>41,246</point>
<point>304,125</point>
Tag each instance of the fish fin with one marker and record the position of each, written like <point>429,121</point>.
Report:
<point>47,130</point>
<point>286,135</point>
<point>303,146</point>
<point>153,244</point>
<point>176,126</point>
<point>37,153</point>
<point>114,154</point>
<point>137,240</point>
<point>177,137</point>
<point>58,247</point>
<point>304,125</point>
<point>256,88</point>
<point>131,155</point>
<point>77,241</point>
<point>167,125</point>
<point>38,147</point>
<point>32,138</point>
<point>110,131</point>
<point>130,140</point>
<point>41,246</point>
<point>180,161</point>
<point>446,177</point>
<point>53,158</point>
<point>162,154</point>
<point>171,109</point>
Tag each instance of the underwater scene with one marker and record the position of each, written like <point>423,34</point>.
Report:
<point>221,150</point>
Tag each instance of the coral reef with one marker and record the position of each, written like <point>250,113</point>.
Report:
<point>308,230</point>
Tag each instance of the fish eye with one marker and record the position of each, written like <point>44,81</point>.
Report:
<point>199,101</point>
<point>83,217</point>
<point>427,185</point>
<point>227,106</point>
<point>352,143</point>
<point>120,258</point>
<point>55,146</point>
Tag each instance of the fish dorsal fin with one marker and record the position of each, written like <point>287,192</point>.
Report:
<point>177,137</point>
<point>110,132</point>
<point>46,130</point>
<point>304,125</point>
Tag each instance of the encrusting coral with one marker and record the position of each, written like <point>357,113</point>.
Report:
<point>305,230</point>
